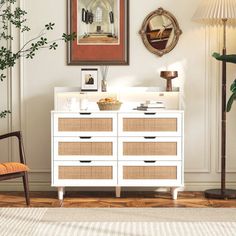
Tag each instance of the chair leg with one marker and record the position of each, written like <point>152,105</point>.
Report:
<point>26,188</point>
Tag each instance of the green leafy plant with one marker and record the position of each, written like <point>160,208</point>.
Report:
<point>231,59</point>
<point>13,16</point>
<point>232,97</point>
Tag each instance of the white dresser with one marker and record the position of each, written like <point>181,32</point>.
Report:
<point>126,148</point>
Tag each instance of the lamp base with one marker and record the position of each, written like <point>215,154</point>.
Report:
<point>219,194</point>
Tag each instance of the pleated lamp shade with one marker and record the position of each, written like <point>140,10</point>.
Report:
<point>213,11</point>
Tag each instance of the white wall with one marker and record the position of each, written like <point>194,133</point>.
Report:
<point>199,78</point>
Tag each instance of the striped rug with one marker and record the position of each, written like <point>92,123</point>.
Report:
<point>117,222</point>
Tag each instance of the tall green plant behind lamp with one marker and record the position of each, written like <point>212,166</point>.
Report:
<point>219,12</point>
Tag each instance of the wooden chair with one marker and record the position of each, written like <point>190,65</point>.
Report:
<point>10,170</point>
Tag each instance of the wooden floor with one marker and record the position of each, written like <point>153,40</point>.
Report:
<point>107,199</point>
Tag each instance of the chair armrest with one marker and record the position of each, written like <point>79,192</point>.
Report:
<point>21,147</point>
<point>12,134</point>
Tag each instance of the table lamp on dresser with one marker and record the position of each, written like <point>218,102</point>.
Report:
<point>219,12</point>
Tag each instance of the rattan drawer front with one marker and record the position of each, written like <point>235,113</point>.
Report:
<point>85,149</point>
<point>150,124</point>
<point>85,172</point>
<point>150,172</point>
<point>149,148</point>
<point>85,125</point>
<point>133,124</point>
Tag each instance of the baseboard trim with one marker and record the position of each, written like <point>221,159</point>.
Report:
<point>17,186</point>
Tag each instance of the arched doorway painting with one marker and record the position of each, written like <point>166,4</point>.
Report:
<point>102,28</point>
<point>98,22</point>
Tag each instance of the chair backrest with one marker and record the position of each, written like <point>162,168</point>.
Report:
<point>20,141</point>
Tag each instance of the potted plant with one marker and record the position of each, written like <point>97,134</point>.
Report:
<point>13,16</point>
<point>231,59</point>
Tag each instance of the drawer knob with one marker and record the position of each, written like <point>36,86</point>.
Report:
<point>85,161</point>
<point>85,137</point>
<point>150,161</point>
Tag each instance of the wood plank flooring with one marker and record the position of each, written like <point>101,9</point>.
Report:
<point>107,199</point>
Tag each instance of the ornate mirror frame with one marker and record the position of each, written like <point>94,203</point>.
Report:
<point>177,31</point>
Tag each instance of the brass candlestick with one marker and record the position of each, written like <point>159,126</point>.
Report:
<point>169,75</point>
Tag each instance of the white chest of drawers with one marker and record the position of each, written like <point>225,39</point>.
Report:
<point>117,149</point>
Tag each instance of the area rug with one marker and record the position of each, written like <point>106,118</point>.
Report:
<point>117,222</point>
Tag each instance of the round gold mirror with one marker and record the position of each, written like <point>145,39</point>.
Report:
<point>160,32</point>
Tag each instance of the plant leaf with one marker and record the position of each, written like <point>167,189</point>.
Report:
<point>230,102</point>
<point>233,86</point>
<point>3,114</point>
<point>227,58</point>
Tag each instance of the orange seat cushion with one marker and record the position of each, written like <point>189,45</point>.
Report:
<point>12,167</point>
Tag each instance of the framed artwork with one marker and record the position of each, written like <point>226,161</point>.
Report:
<point>89,79</point>
<point>102,28</point>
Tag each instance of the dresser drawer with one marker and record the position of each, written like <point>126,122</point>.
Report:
<point>85,124</point>
<point>144,173</point>
<point>149,148</point>
<point>150,123</point>
<point>85,173</point>
<point>85,148</point>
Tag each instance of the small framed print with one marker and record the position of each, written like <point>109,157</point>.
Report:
<point>89,79</point>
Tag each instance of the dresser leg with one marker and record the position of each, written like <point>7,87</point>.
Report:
<point>60,193</point>
<point>174,192</point>
<point>118,191</point>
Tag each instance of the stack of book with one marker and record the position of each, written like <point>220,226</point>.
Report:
<point>150,105</point>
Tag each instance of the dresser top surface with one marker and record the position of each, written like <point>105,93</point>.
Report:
<point>120,111</point>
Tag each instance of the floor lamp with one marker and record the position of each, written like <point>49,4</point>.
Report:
<point>219,12</point>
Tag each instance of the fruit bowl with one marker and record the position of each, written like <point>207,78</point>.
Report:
<point>109,104</point>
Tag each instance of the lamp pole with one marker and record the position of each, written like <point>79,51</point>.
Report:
<point>223,113</point>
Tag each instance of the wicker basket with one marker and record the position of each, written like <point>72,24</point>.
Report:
<point>108,106</point>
